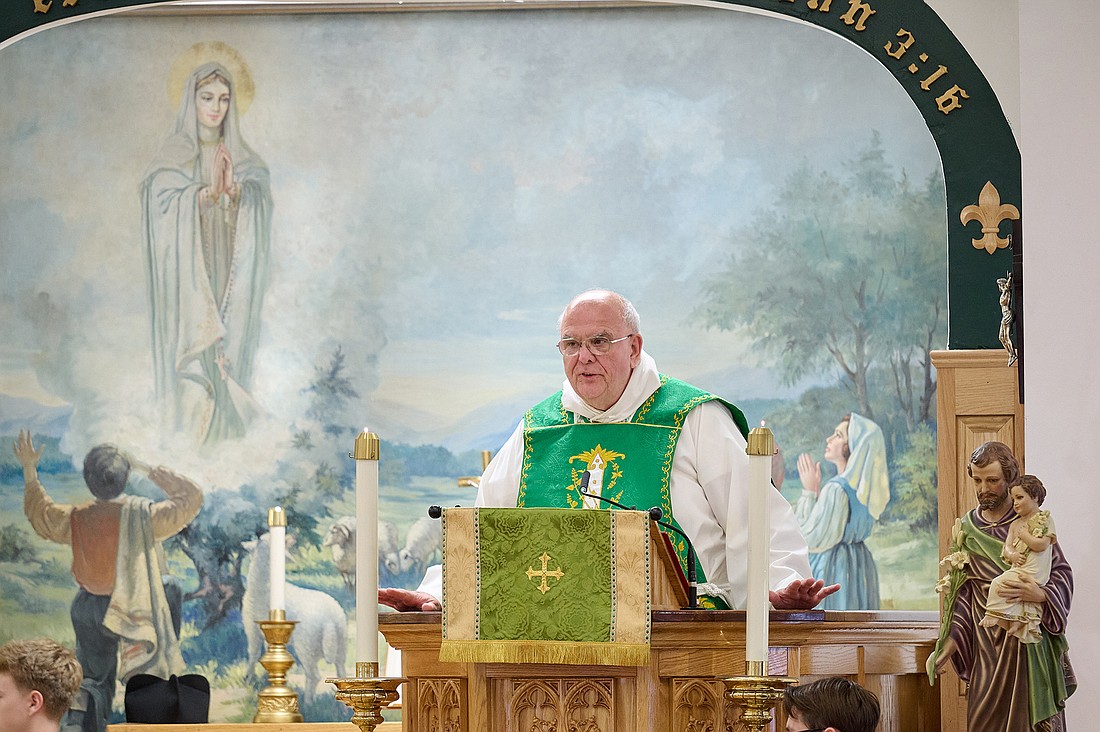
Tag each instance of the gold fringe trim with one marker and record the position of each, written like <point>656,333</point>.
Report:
<point>566,652</point>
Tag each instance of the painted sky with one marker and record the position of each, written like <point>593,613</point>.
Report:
<point>443,183</point>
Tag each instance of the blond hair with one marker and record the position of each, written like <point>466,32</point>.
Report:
<point>45,666</point>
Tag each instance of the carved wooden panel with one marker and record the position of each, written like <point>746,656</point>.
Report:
<point>699,705</point>
<point>441,705</point>
<point>561,705</point>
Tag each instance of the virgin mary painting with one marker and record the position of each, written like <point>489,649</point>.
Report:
<point>206,218</point>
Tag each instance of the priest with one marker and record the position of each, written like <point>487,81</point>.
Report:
<point>643,439</point>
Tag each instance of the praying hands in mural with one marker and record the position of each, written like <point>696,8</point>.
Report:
<point>222,183</point>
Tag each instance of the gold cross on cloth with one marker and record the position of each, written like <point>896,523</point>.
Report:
<point>544,573</point>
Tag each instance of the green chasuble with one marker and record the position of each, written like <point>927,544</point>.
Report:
<point>630,461</point>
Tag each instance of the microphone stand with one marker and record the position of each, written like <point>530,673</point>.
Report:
<point>655,515</point>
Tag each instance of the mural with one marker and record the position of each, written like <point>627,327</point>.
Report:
<point>418,197</point>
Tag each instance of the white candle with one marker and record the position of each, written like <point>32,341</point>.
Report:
<point>366,547</point>
<point>760,448</point>
<point>276,522</point>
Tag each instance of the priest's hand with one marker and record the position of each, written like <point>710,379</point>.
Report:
<point>407,600</point>
<point>801,594</point>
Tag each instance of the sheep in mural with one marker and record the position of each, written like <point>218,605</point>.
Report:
<point>341,542</point>
<point>321,633</point>
<point>389,547</point>
<point>423,540</point>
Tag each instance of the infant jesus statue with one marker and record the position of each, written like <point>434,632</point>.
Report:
<point>1027,550</point>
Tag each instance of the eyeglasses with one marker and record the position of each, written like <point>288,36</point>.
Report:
<point>596,345</point>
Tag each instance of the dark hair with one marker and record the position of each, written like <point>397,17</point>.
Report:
<point>44,666</point>
<point>987,452</point>
<point>106,469</point>
<point>833,702</point>
<point>1033,487</point>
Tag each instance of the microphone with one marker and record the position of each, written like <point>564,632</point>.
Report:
<point>587,476</point>
<point>437,511</point>
<point>655,515</point>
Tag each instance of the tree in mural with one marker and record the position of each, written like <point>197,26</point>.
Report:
<point>843,272</point>
<point>915,499</point>
<point>309,480</point>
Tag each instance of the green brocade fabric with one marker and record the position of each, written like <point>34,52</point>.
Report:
<point>545,586</point>
<point>635,456</point>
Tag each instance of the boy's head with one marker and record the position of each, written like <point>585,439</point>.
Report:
<point>106,470</point>
<point>38,680</point>
<point>833,704</point>
<point>1033,487</point>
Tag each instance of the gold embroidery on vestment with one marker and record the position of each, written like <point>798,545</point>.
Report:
<point>544,573</point>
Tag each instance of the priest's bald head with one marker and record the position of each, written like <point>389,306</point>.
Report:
<point>600,345</point>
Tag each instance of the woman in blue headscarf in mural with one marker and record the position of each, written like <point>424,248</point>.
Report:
<point>206,214</point>
<point>836,518</point>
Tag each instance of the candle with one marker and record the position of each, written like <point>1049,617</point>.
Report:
<point>760,448</point>
<point>276,522</point>
<point>366,547</point>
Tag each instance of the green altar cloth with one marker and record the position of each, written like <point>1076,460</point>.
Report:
<point>546,586</point>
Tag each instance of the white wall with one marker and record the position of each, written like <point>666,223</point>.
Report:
<point>1035,54</point>
<point>1059,123</point>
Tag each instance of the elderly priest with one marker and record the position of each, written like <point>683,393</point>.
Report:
<point>604,419</point>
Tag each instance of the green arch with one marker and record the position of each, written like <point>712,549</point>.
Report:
<point>975,142</point>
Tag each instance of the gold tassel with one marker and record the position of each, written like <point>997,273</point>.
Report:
<point>587,654</point>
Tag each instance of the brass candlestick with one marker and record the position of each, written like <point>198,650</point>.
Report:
<point>757,694</point>
<point>366,694</point>
<point>278,703</point>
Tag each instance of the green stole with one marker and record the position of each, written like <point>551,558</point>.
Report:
<point>635,456</point>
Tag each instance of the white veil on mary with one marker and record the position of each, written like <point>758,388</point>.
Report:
<point>866,470</point>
